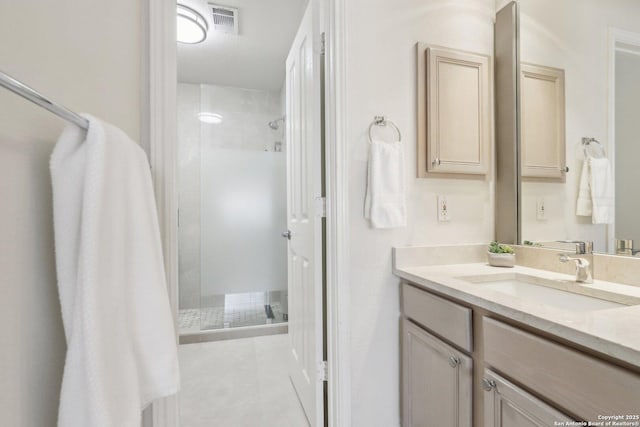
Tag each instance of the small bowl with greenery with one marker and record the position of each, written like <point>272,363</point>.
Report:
<point>500,255</point>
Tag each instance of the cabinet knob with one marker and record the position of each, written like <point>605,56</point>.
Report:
<point>435,162</point>
<point>454,361</point>
<point>564,169</point>
<point>488,385</point>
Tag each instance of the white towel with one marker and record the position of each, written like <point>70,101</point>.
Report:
<point>602,192</point>
<point>121,347</point>
<point>584,206</point>
<point>385,198</point>
<point>596,193</point>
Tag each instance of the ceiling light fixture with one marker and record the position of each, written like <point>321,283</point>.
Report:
<point>211,118</point>
<point>191,27</point>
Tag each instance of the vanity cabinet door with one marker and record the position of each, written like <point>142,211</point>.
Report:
<point>506,405</point>
<point>437,381</point>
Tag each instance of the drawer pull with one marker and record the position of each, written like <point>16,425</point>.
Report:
<point>488,385</point>
<point>454,362</point>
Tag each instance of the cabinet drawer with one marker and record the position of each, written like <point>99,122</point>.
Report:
<point>583,385</point>
<point>447,319</point>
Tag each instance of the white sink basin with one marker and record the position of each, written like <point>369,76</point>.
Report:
<point>563,294</point>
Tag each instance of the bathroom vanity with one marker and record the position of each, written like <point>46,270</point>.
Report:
<point>488,346</point>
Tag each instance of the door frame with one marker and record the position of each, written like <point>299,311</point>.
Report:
<point>159,80</point>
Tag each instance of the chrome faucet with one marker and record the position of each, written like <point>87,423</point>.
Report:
<point>583,247</point>
<point>583,272</point>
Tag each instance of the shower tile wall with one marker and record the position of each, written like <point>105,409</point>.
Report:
<point>245,115</point>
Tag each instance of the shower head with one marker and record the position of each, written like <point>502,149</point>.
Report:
<point>274,123</point>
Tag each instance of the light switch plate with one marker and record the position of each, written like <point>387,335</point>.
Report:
<point>541,209</point>
<point>443,209</point>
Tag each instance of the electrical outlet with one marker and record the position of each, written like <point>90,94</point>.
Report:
<point>541,209</point>
<point>443,209</point>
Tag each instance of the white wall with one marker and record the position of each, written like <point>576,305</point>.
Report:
<point>86,55</point>
<point>627,146</point>
<point>381,79</point>
<point>246,114</point>
<point>572,35</point>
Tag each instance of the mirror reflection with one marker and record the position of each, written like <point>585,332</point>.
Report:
<point>580,133</point>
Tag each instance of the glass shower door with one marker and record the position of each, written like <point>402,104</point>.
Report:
<point>243,279</point>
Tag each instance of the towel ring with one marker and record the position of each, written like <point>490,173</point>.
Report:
<point>586,143</point>
<point>383,121</point>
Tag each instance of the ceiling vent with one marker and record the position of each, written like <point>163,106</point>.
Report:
<point>225,19</point>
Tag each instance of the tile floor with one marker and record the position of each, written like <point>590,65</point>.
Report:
<point>238,383</point>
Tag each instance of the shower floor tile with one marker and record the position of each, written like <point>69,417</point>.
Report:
<point>234,310</point>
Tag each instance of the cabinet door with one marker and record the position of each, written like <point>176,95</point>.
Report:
<point>437,381</point>
<point>454,112</point>
<point>543,123</point>
<point>506,405</point>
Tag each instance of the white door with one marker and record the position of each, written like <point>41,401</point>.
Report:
<point>304,186</point>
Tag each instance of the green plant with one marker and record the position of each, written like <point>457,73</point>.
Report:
<point>497,248</point>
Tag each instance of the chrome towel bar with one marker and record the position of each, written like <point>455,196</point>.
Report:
<point>37,98</point>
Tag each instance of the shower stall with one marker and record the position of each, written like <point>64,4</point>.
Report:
<point>232,201</point>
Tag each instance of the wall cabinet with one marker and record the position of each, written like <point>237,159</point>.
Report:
<point>543,122</point>
<point>437,381</point>
<point>454,112</point>
<point>506,405</point>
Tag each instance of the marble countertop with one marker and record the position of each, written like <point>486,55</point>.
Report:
<point>613,331</point>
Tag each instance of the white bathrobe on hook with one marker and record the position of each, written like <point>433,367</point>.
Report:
<point>121,347</point>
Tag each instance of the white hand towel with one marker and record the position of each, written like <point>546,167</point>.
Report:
<point>596,193</point>
<point>602,192</point>
<point>121,347</point>
<point>583,206</point>
<point>385,198</point>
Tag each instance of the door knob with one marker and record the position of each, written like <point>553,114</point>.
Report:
<point>287,234</point>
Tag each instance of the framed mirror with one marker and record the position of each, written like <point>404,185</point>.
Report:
<point>573,144</point>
